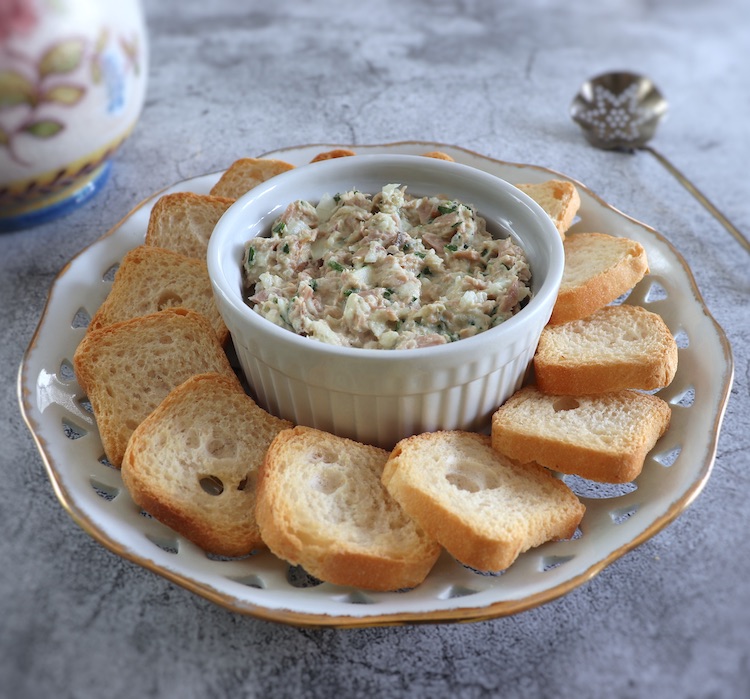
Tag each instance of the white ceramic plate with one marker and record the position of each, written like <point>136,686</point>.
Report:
<point>617,518</point>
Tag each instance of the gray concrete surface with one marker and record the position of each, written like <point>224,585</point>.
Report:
<point>672,618</point>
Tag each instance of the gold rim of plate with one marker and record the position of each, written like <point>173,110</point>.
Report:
<point>458,614</point>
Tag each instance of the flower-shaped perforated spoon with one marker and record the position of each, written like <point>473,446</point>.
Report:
<point>620,111</point>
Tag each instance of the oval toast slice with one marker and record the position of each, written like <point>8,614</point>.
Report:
<point>598,269</point>
<point>482,507</point>
<point>616,347</point>
<point>321,505</point>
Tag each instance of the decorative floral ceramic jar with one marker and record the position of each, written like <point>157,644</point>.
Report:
<point>72,85</point>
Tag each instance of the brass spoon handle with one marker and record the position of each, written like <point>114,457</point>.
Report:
<point>685,182</point>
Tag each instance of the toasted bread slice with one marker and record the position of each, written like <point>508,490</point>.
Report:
<point>614,348</point>
<point>244,174</point>
<point>439,155</point>
<point>603,437</point>
<point>483,508</point>
<point>321,505</point>
<point>128,368</point>
<point>335,153</point>
<point>184,222</point>
<point>151,279</point>
<point>193,463</point>
<point>560,199</point>
<point>598,269</point>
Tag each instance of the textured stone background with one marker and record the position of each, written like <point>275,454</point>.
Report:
<point>229,79</point>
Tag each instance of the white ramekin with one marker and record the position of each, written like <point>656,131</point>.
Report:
<point>380,396</point>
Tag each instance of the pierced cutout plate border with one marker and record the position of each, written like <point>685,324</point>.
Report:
<point>617,518</point>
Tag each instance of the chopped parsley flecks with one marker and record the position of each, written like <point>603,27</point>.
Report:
<point>447,208</point>
<point>387,271</point>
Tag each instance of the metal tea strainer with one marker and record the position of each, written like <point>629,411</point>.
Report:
<point>620,111</point>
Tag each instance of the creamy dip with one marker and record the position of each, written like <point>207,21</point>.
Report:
<point>388,271</point>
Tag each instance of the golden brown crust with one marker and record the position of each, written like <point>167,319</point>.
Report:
<point>126,369</point>
<point>581,298</point>
<point>616,347</point>
<point>202,533</point>
<point>331,556</point>
<point>269,504</point>
<point>159,455</point>
<point>572,459</point>
<point>453,532</point>
<point>559,199</point>
<point>655,372</point>
<point>151,279</point>
<point>536,436</point>
<point>183,221</point>
<point>439,155</point>
<point>335,153</point>
<point>244,174</point>
<point>417,475</point>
